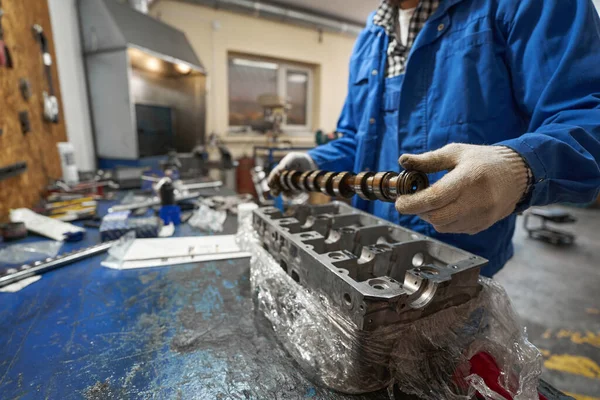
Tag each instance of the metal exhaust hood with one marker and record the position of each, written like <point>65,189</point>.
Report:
<point>109,25</point>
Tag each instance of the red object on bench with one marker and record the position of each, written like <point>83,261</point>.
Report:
<point>484,365</point>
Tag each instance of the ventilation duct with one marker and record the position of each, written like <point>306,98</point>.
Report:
<point>282,14</point>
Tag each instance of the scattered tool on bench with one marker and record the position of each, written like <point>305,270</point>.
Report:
<point>169,211</point>
<point>13,231</point>
<point>384,186</point>
<point>40,267</point>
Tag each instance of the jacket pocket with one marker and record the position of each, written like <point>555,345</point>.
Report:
<point>467,42</point>
<point>363,71</point>
<point>391,101</point>
<point>471,82</point>
<point>359,91</point>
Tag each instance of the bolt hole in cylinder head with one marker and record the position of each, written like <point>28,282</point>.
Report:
<point>418,260</point>
<point>295,276</point>
<point>347,299</point>
<point>379,284</point>
<point>283,265</point>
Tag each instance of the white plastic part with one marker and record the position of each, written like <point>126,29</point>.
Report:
<point>145,253</point>
<point>67,162</point>
<point>42,225</point>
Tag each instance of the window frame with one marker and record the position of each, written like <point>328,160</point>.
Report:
<point>282,71</point>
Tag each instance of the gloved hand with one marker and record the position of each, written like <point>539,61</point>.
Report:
<point>484,185</point>
<point>296,161</point>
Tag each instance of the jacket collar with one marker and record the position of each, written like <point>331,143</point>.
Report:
<point>442,9</point>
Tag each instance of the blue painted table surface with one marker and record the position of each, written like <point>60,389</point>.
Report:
<point>185,332</point>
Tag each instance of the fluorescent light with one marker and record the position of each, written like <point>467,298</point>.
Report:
<point>297,78</point>
<point>255,64</point>
<point>183,68</point>
<point>153,64</point>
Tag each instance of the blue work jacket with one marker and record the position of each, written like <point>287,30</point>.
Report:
<point>518,73</point>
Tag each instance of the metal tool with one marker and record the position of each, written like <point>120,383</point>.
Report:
<point>25,123</point>
<point>384,186</point>
<point>154,201</point>
<point>182,185</point>
<point>261,185</point>
<point>40,267</point>
<point>25,87</point>
<point>12,170</point>
<point>374,272</point>
<point>5,57</point>
<point>200,185</point>
<point>13,231</point>
<point>50,100</point>
<point>543,232</point>
<point>169,212</point>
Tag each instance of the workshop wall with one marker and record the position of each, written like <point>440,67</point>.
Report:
<point>37,147</point>
<point>215,33</point>
<point>71,71</point>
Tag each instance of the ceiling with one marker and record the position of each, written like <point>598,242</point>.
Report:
<point>355,11</point>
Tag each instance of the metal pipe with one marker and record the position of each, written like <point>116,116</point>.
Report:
<point>41,267</point>
<point>279,13</point>
<point>154,201</point>
<point>202,185</point>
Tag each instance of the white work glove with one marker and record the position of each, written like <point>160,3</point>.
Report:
<point>293,161</point>
<point>484,185</point>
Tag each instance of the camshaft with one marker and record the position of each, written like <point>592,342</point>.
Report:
<point>384,186</point>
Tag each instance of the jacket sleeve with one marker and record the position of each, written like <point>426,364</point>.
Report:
<point>339,154</point>
<point>553,55</point>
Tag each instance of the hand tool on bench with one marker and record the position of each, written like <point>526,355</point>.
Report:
<point>40,267</point>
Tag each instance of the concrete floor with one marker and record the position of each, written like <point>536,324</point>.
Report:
<point>557,293</point>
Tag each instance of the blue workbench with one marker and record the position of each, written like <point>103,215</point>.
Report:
<point>185,332</point>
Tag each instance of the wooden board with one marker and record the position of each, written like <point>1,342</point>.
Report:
<point>38,147</point>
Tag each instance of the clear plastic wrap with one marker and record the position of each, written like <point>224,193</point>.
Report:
<point>23,253</point>
<point>207,219</point>
<point>428,358</point>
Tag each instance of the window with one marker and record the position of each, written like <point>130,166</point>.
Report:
<point>251,77</point>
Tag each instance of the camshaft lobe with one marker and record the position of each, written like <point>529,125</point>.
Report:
<point>384,186</point>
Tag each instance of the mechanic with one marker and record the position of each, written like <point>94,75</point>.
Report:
<point>503,94</point>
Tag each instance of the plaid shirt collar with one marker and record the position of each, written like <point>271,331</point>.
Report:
<point>387,17</point>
